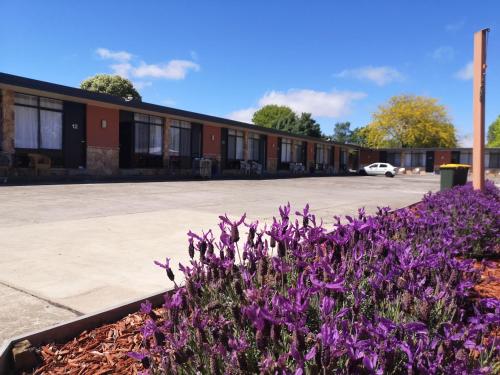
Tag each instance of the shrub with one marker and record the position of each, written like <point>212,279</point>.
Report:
<point>375,294</point>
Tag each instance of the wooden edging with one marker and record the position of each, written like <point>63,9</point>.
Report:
<point>70,329</point>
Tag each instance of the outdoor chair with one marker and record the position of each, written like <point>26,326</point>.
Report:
<point>5,165</point>
<point>39,162</point>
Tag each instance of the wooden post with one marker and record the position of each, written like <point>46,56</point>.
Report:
<point>479,94</point>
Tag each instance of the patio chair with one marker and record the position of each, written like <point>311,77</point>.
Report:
<point>5,165</point>
<point>39,163</point>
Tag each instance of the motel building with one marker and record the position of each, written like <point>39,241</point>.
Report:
<point>50,131</point>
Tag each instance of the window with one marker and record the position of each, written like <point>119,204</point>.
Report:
<point>38,122</point>
<point>494,161</point>
<point>234,144</point>
<point>148,132</point>
<point>253,146</point>
<point>298,152</point>
<point>323,154</point>
<point>286,150</point>
<point>394,158</point>
<point>383,166</point>
<point>180,138</point>
<point>465,157</point>
<point>414,159</point>
<point>455,157</point>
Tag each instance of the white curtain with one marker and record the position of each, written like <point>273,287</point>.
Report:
<point>407,160</point>
<point>141,138</point>
<point>174,141</point>
<point>239,148</point>
<point>26,122</point>
<point>51,130</point>
<point>155,139</point>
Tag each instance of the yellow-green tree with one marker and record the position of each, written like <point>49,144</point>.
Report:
<point>411,121</point>
<point>494,133</point>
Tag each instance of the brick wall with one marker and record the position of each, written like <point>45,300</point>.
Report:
<point>103,147</point>
<point>442,157</point>
<point>7,122</point>
<point>367,157</point>
<point>272,153</point>
<point>211,142</point>
<point>310,154</point>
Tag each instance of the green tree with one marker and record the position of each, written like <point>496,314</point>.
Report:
<point>359,137</point>
<point>494,133</point>
<point>342,132</point>
<point>284,118</point>
<point>112,85</point>
<point>411,121</point>
<point>306,125</point>
<point>269,115</point>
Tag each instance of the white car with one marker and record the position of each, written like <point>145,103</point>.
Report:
<point>375,169</point>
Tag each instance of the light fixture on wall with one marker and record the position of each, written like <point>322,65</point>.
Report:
<point>104,124</point>
<point>213,137</point>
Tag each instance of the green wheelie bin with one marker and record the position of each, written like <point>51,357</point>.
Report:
<point>453,175</point>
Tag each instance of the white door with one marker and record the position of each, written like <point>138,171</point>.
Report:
<point>373,169</point>
<point>382,168</point>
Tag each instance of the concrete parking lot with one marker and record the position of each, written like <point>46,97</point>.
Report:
<point>67,250</point>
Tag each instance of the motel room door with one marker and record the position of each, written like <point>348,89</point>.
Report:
<point>429,161</point>
<point>74,135</point>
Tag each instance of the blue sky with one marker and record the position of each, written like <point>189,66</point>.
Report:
<point>338,60</point>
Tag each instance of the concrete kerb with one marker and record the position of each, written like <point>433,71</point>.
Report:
<point>68,330</point>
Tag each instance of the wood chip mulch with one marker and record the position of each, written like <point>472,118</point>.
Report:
<point>104,349</point>
<point>489,287</point>
<point>98,352</point>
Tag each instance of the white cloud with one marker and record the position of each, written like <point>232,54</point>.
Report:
<point>243,115</point>
<point>465,140</point>
<point>124,66</point>
<point>121,56</point>
<point>122,70</point>
<point>380,75</point>
<point>443,54</point>
<point>141,84</point>
<point>174,69</point>
<point>466,73</point>
<point>330,104</point>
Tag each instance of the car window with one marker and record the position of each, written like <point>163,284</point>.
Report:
<point>383,165</point>
<point>373,166</point>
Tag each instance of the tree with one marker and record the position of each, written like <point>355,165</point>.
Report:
<point>342,132</point>
<point>113,85</point>
<point>494,133</point>
<point>359,136</point>
<point>411,121</point>
<point>269,115</point>
<point>306,125</point>
<point>284,118</point>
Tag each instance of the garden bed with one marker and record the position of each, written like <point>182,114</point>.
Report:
<point>387,293</point>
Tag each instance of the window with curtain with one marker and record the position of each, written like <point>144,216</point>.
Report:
<point>148,131</point>
<point>286,150</point>
<point>180,138</point>
<point>234,144</point>
<point>38,122</point>
<point>298,151</point>
<point>414,159</point>
<point>253,146</point>
<point>323,154</point>
<point>465,157</point>
<point>394,158</point>
<point>494,160</point>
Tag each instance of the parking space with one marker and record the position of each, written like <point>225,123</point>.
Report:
<point>71,249</point>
